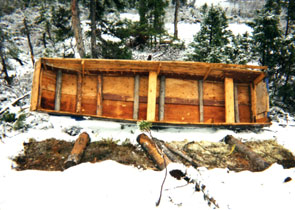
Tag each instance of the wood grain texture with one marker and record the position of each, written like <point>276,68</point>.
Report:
<point>136,97</point>
<point>152,97</point>
<point>36,86</point>
<point>229,100</point>
<point>58,90</point>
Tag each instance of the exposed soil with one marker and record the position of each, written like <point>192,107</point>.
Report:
<point>51,154</point>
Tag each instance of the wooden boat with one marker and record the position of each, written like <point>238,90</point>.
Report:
<point>173,92</point>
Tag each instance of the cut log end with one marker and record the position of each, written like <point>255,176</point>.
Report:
<point>78,150</point>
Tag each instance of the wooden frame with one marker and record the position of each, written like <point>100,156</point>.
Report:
<point>173,92</point>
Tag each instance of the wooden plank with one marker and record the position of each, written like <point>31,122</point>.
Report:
<point>117,109</point>
<point>201,104</point>
<point>181,89</point>
<point>119,85</point>
<point>58,90</point>
<point>162,98</point>
<point>253,102</point>
<point>69,92</point>
<point>259,78</point>
<point>207,73</point>
<point>89,95</point>
<point>136,97</point>
<point>152,94</point>
<point>181,113</point>
<point>36,86</point>
<point>99,96</point>
<point>229,100</point>
<point>214,114</point>
<point>79,93</point>
<point>236,101</point>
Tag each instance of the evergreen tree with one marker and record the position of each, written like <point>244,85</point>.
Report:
<point>267,39</point>
<point>151,24</point>
<point>211,42</point>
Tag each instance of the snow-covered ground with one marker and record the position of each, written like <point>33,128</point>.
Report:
<point>110,185</point>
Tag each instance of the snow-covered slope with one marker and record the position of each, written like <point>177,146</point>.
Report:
<point>110,185</point>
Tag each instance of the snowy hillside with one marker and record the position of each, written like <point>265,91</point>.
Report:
<point>111,185</point>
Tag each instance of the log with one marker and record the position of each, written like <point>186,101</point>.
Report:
<point>184,156</point>
<point>78,150</point>
<point>150,147</point>
<point>258,162</point>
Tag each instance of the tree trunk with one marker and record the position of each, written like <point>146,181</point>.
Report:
<point>76,25</point>
<point>27,32</point>
<point>258,162</point>
<point>78,150</point>
<point>4,67</point>
<point>94,53</point>
<point>176,19</point>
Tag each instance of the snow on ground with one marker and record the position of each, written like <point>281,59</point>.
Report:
<point>110,185</point>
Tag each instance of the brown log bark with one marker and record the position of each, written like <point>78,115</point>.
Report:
<point>94,53</point>
<point>150,147</point>
<point>177,3</point>
<point>78,150</point>
<point>76,25</point>
<point>258,162</point>
<point>27,32</point>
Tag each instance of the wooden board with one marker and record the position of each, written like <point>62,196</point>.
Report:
<point>47,90</point>
<point>182,113</point>
<point>180,91</point>
<point>69,93</point>
<point>229,100</point>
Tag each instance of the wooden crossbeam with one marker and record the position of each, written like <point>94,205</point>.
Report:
<point>253,102</point>
<point>58,90</point>
<point>99,96</point>
<point>229,100</point>
<point>136,97</point>
<point>201,101</point>
<point>152,94</point>
<point>36,86</point>
<point>162,98</point>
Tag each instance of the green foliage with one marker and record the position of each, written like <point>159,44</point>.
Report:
<point>151,24</point>
<point>115,50</point>
<point>212,42</point>
<point>144,126</point>
<point>61,20</point>
<point>8,117</point>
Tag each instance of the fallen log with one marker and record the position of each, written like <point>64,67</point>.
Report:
<point>78,150</point>
<point>151,148</point>
<point>184,156</point>
<point>258,162</point>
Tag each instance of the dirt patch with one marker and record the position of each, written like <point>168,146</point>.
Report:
<point>51,154</point>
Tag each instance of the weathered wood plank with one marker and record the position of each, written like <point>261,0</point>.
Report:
<point>152,94</point>
<point>229,100</point>
<point>36,86</point>
<point>136,97</point>
<point>79,93</point>
<point>162,98</point>
<point>236,101</point>
<point>99,96</point>
<point>253,102</point>
<point>58,90</point>
<point>201,104</point>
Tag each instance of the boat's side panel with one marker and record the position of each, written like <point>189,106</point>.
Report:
<point>89,94</point>
<point>214,106</point>
<point>47,89</point>
<point>244,102</point>
<point>262,104</point>
<point>68,92</point>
